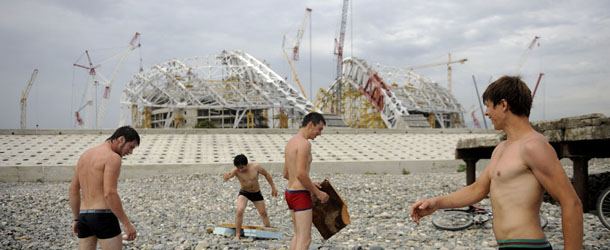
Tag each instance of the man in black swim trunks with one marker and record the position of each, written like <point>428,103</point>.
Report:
<point>247,174</point>
<point>96,205</point>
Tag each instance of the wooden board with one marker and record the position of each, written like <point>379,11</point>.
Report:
<point>228,229</point>
<point>331,216</point>
<point>231,225</point>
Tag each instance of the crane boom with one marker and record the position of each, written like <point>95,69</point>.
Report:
<point>295,49</point>
<point>24,97</point>
<point>436,64</point>
<point>106,97</point>
<point>448,63</point>
<point>339,53</point>
<point>525,54</point>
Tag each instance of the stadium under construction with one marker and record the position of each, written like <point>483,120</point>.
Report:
<point>235,90</point>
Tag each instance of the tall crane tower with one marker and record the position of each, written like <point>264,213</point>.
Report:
<point>24,97</point>
<point>339,53</point>
<point>448,63</point>
<point>295,48</point>
<point>92,85</point>
<point>523,57</point>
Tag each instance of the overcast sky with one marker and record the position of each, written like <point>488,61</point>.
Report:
<point>572,51</point>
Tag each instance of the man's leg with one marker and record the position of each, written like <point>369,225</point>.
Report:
<point>303,228</point>
<point>293,242</point>
<point>260,207</point>
<point>87,243</point>
<point>115,242</point>
<point>241,203</point>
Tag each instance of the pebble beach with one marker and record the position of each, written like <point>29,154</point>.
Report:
<point>181,211</point>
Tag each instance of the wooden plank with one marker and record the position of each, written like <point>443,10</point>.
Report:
<point>332,216</point>
<point>231,225</point>
<point>228,229</point>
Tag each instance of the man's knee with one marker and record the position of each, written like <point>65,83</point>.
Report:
<point>240,212</point>
<point>263,214</point>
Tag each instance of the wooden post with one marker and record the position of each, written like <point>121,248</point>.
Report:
<point>471,170</point>
<point>581,179</point>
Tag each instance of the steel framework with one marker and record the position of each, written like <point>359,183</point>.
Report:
<point>231,80</point>
<point>394,94</point>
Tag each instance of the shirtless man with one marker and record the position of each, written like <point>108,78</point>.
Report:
<point>95,203</point>
<point>519,171</point>
<point>297,156</point>
<point>247,174</point>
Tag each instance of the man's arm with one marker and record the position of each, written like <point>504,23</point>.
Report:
<point>75,198</point>
<point>468,195</point>
<point>303,154</point>
<point>264,172</point>
<point>542,160</point>
<point>112,171</point>
<point>229,175</point>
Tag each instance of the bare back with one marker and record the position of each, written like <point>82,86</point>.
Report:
<point>297,152</point>
<point>90,172</point>
<point>515,192</point>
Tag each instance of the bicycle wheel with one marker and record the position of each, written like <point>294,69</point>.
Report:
<point>603,207</point>
<point>452,220</point>
<point>543,221</point>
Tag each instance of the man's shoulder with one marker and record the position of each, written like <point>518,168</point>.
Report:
<point>534,141</point>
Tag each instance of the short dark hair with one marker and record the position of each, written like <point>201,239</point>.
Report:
<point>313,117</point>
<point>514,91</point>
<point>128,132</point>
<point>240,160</point>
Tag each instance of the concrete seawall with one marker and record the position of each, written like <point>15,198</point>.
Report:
<point>50,155</point>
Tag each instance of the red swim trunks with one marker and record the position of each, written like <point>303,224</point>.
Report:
<point>298,200</point>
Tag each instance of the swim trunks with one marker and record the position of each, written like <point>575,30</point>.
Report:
<point>256,196</point>
<point>524,244</point>
<point>99,222</point>
<point>298,200</point>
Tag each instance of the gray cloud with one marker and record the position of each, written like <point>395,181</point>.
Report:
<point>51,35</point>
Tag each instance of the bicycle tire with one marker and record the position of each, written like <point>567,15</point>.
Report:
<point>543,221</point>
<point>452,220</point>
<point>603,208</point>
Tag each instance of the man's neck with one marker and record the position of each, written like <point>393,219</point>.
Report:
<point>303,133</point>
<point>516,127</point>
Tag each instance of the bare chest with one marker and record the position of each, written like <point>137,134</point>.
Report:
<point>507,164</point>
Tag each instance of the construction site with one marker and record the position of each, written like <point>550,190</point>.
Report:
<point>233,89</point>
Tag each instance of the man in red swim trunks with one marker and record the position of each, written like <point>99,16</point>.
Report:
<point>297,161</point>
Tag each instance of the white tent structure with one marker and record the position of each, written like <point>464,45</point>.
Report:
<point>391,97</point>
<point>222,89</point>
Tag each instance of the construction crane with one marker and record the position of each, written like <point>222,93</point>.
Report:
<point>537,82</point>
<point>92,85</point>
<point>24,98</point>
<point>295,48</point>
<point>448,63</point>
<point>525,54</point>
<point>339,53</point>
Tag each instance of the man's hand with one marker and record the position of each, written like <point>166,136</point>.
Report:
<point>322,196</point>
<point>75,228</point>
<point>130,232</point>
<point>226,176</point>
<point>422,208</point>
<point>273,192</point>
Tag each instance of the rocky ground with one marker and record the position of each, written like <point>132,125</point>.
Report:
<point>179,212</point>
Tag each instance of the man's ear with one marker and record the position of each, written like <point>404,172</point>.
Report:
<point>504,104</point>
<point>121,140</point>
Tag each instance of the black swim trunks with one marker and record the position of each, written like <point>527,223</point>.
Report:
<point>256,196</point>
<point>99,222</point>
